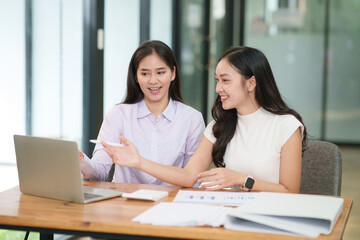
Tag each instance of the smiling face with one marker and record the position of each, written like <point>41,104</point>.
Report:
<point>234,90</point>
<point>154,77</point>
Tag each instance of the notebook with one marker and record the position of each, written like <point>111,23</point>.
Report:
<point>285,213</point>
<point>51,168</point>
<point>146,195</point>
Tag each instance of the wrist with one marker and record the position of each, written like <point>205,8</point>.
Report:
<point>239,182</point>
<point>140,163</point>
<point>242,179</point>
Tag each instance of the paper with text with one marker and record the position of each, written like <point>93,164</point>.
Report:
<point>184,214</point>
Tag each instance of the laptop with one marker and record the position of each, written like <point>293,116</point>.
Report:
<point>51,168</point>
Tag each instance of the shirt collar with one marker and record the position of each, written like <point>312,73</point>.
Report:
<point>143,110</point>
<point>169,112</point>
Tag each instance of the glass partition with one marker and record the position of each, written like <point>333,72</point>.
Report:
<point>343,95</point>
<point>192,50</point>
<point>218,34</point>
<point>291,34</point>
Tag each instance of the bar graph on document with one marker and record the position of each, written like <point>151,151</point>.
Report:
<point>226,198</point>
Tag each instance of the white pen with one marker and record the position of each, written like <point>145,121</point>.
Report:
<point>227,188</point>
<point>108,143</point>
<point>201,185</point>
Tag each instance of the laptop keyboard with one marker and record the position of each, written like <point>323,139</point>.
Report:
<point>88,196</point>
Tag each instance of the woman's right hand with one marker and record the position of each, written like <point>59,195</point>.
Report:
<point>220,178</point>
<point>127,156</point>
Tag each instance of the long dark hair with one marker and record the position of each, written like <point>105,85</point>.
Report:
<point>133,91</point>
<point>248,62</point>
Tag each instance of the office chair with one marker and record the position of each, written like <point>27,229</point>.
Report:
<point>321,169</point>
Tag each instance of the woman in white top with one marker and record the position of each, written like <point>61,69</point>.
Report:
<point>255,139</point>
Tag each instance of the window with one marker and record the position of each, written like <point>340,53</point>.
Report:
<point>57,69</point>
<point>12,76</point>
<point>121,30</point>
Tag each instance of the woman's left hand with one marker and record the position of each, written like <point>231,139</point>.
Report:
<point>219,178</point>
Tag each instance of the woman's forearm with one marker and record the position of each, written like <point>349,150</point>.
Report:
<point>174,175</point>
<point>273,187</point>
<point>185,177</point>
<point>129,156</point>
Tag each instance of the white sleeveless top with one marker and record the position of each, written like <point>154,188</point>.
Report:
<point>256,146</point>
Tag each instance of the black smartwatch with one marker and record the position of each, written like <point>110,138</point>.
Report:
<point>248,183</point>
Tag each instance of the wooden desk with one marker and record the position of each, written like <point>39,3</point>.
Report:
<point>112,217</point>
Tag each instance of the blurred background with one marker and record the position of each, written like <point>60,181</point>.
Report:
<point>63,63</point>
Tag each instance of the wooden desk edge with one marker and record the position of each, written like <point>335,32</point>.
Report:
<point>346,216</point>
<point>188,232</point>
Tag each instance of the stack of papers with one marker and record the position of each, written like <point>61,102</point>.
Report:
<point>184,214</point>
<point>279,213</point>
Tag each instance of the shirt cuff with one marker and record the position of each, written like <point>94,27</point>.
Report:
<point>87,171</point>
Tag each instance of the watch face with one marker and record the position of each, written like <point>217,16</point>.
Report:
<point>249,183</point>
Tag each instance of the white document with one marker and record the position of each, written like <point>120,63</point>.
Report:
<point>147,195</point>
<point>226,198</point>
<point>277,213</point>
<point>184,214</point>
<point>292,214</point>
